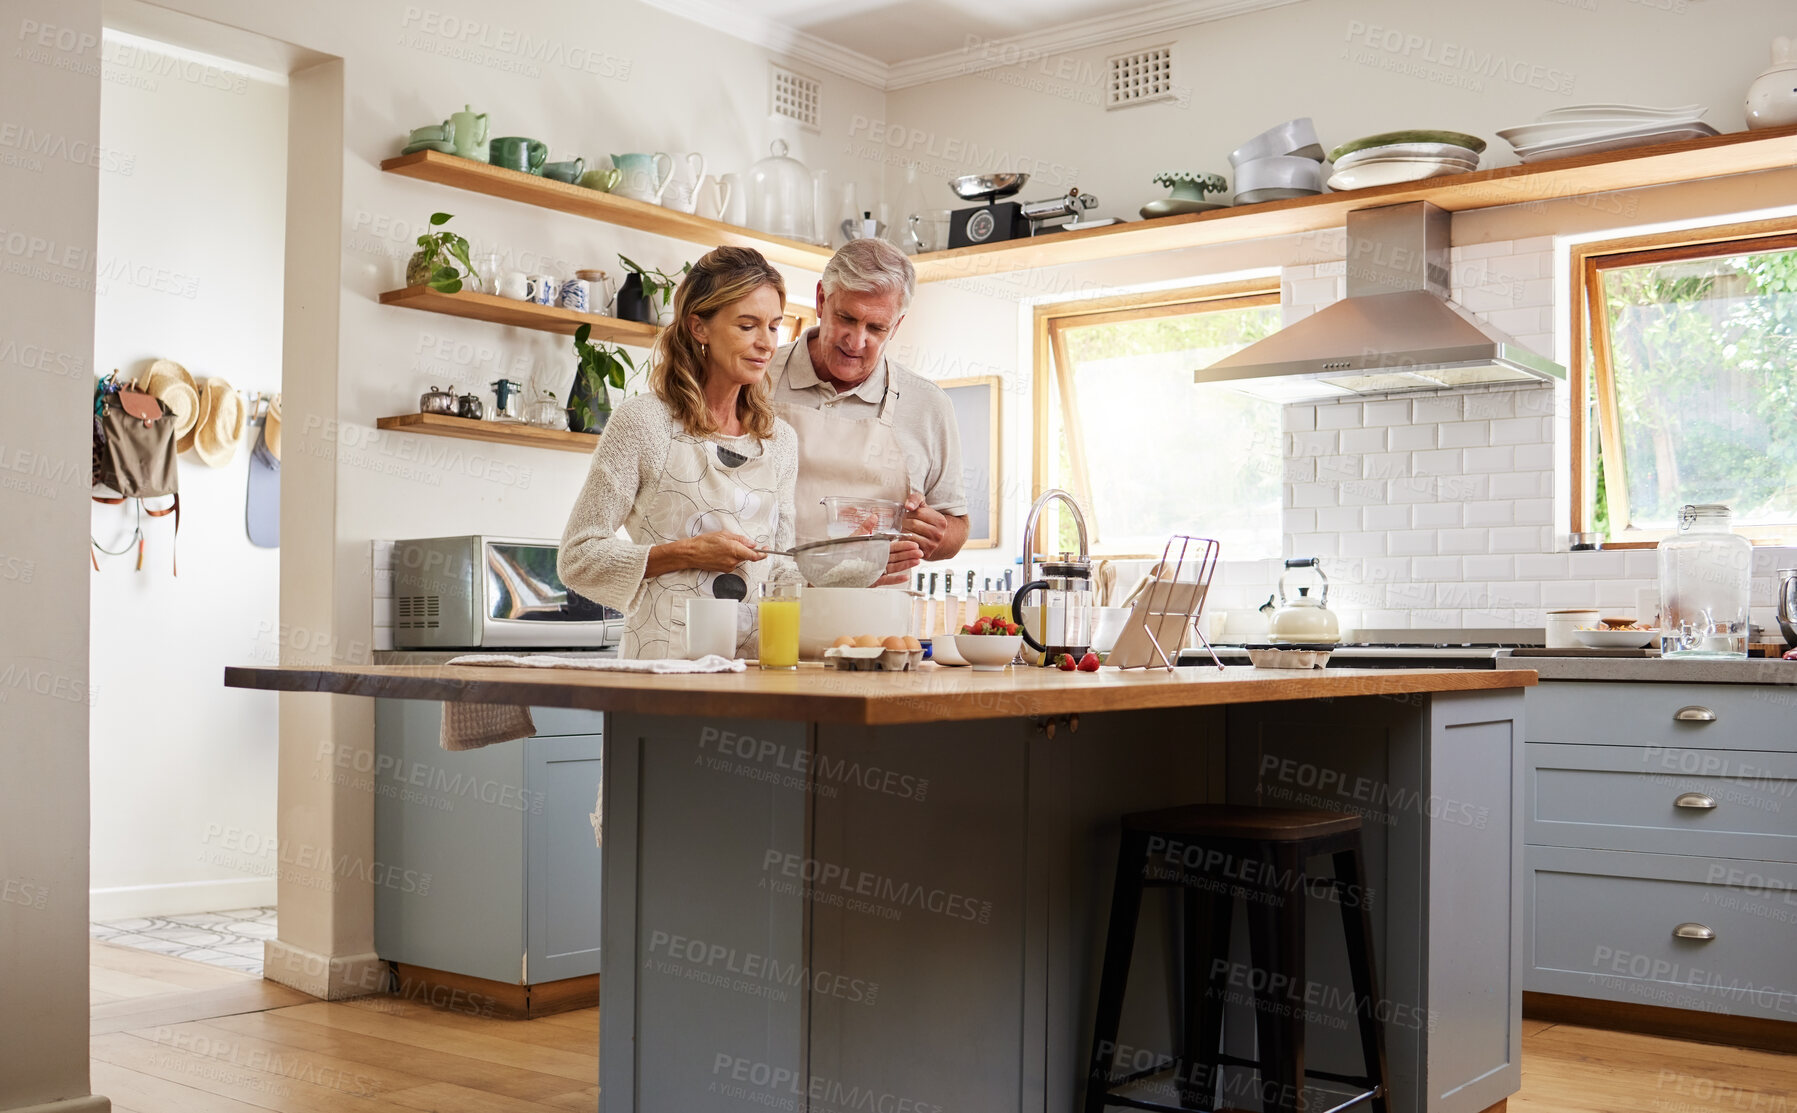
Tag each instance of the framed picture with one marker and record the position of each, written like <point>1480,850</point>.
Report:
<point>976,413</point>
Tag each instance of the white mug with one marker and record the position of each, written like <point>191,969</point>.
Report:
<point>710,627</point>
<point>513,284</point>
<point>1561,624</point>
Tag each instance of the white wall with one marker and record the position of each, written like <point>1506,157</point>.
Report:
<point>193,221</point>
<point>50,85</point>
<point>1242,75</point>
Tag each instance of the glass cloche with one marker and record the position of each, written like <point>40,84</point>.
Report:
<point>782,198</point>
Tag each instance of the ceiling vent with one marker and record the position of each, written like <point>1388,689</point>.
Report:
<point>1140,76</point>
<point>793,96</point>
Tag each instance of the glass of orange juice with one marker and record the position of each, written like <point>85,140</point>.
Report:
<point>995,604</point>
<point>778,615</point>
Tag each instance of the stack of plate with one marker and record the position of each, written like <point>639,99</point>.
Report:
<point>1403,156</point>
<point>1279,163</point>
<point>1589,129</point>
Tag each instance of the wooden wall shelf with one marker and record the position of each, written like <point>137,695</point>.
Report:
<point>547,193</point>
<point>442,425</point>
<point>1635,168</point>
<point>521,314</point>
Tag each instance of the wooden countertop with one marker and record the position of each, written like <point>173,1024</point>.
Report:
<point>812,693</point>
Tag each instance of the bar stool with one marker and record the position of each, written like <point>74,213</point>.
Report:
<point>1213,854</point>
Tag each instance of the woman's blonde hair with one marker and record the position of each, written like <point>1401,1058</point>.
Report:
<point>723,276</point>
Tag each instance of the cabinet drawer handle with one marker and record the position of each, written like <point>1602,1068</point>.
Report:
<point>1694,800</point>
<point>1694,714</point>
<point>1694,931</point>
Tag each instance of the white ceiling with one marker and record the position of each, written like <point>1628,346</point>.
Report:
<point>895,31</point>
<point>891,44</point>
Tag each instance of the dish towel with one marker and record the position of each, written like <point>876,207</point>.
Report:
<point>469,726</point>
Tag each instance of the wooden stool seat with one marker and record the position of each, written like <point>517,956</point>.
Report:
<point>1242,821</point>
<point>1211,856</point>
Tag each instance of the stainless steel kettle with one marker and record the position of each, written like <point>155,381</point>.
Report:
<point>1787,605</point>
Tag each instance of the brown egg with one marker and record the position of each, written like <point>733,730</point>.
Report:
<point>867,641</point>
<point>912,643</point>
<point>843,642</point>
<point>894,643</point>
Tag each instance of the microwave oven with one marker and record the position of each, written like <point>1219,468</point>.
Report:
<point>491,593</point>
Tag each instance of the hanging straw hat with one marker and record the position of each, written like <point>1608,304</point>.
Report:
<point>170,383</point>
<point>271,427</point>
<point>220,425</point>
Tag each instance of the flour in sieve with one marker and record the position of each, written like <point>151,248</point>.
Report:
<point>850,573</point>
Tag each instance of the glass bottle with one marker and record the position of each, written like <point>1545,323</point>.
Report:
<point>904,226</point>
<point>1706,576</point>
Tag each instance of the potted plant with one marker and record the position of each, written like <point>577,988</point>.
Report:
<point>430,264</point>
<point>647,295</point>
<point>601,365</point>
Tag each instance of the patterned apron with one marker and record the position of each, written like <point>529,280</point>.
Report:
<point>704,487</point>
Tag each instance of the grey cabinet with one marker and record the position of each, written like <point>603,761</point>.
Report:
<point>1661,829</point>
<point>491,853</point>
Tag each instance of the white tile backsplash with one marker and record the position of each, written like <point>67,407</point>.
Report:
<point>1439,510</point>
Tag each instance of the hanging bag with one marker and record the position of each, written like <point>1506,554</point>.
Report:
<point>137,456</point>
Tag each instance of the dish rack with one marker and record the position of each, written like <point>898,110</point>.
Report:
<point>1170,605</point>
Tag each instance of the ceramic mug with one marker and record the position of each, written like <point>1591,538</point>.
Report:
<point>577,294</point>
<point>517,152</point>
<point>514,285</point>
<point>569,171</point>
<point>602,179</point>
<point>541,288</point>
<point>434,133</point>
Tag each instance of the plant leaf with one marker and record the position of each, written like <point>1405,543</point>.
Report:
<point>447,285</point>
<point>581,333</point>
<point>442,218</point>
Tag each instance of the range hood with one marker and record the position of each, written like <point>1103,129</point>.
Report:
<point>1396,330</point>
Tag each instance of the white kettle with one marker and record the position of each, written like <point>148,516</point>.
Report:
<point>1303,619</point>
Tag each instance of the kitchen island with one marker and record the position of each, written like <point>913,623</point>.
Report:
<point>830,891</point>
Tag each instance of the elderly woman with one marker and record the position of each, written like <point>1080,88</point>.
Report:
<point>699,473</point>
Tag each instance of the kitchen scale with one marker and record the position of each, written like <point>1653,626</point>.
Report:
<point>997,221</point>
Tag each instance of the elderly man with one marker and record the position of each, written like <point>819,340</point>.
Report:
<point>867,427</point>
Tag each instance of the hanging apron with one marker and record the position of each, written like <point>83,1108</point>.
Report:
<point>842,456</point>
<point>704,487</point>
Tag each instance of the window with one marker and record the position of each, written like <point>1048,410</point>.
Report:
<point>1689,381</point>
<point>1146,451</point>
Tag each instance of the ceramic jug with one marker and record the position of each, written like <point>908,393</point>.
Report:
<point>681,191</point>
<point>714,197</point>
<point>469,133</point>
<point>642,178</point>
<point>1772,98</point>
<point>734,208</point>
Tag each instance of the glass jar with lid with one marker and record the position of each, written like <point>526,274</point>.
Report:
<point>1706,577</point>
<point>782,197</point>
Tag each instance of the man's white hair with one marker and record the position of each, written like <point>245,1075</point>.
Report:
<point>870,266</point>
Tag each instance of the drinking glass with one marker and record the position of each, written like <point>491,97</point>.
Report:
<point>995,604</point>
<point>779,621</point>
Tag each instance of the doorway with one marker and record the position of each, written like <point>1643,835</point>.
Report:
<point>189,301</point>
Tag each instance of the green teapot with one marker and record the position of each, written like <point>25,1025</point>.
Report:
<point>468,131</point>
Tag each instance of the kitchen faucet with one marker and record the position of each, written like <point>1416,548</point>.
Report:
<point>1029,525</point>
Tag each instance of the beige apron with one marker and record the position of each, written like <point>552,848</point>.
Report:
<point>842,456</point>
<point>698,493</point>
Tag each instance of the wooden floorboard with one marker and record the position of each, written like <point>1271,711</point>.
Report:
<point>248,1046</point>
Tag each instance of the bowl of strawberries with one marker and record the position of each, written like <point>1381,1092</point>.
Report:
<point>990,644</point>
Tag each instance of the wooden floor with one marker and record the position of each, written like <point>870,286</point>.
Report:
<point>173,1036</point>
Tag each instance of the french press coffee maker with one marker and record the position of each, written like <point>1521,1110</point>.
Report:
<point>1061,620</point>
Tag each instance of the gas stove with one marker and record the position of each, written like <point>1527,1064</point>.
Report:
<point>1398,649</point>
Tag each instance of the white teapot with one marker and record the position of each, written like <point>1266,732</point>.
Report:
<point>1772,98</point>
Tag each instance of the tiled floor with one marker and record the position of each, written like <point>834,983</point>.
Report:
<point>230,939</point>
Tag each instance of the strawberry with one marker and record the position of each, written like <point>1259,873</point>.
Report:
<point>1066,662</point>
<point>1088,663</point>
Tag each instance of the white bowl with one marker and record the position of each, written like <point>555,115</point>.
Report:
<point>1616,639</point>
<point>987,652</point>
<point>828,613</point>
<point>1378,172</point>
<point>942,650</point>
<point>1279,172</point>
<point>1107,627</point>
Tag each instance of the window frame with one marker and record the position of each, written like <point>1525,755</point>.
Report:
<point>1049,353</point>
<point>1592,371</point>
